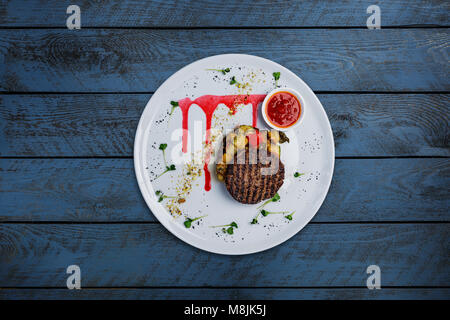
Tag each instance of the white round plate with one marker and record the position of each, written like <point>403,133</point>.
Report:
<point>310,152</point>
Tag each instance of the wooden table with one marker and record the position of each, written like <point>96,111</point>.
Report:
<point>70,102</point>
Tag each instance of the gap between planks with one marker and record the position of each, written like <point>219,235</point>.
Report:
<point>181,27</point>
<point>230,287</point>
<point>152,92</point>
<point>157,222</point>
<point>131,157</point>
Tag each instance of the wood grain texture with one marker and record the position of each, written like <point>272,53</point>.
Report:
<point>351,230</point>
<point>136,255</point>
<point>106,190</point>
<point>171,13</point>
<point>140,60</point>
<point>104,124</point>
<point>69,125</point>
<point>229,294</point>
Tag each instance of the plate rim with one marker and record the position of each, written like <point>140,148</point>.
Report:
<point>153,205</point>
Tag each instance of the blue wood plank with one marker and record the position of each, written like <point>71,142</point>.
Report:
<point>230,293</point>
<point>135,13</point>
<point>106,190</point>
<point>136,255</point>
<point>105,124</point>
<point>140,60</point>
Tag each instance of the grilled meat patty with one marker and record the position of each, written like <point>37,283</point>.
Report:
<point>251,183</point>
<point>251,168</point>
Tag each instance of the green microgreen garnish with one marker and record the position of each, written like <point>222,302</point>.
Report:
<point>163,146</point>
<point>168,168</point>
<point>275,198</point>
<point>174,105</point>
<point>228,230</point>
<point>236,83</point>
<point>297,174</point>
<point>276,76</point>
<point>265,213</point>
<point>189,221</point>
<point>255,219</point>
<point>224,71</point>
<point>162,196</point>
<point>171,167</point>
<point>289,216</point>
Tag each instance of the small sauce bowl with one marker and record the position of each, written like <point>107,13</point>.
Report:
<point>288,94</point>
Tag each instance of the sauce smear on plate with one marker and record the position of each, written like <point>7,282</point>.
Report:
<point>283,109</point>
<point>209,103</point>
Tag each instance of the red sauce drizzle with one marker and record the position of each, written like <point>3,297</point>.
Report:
<point>283,109</point>
<point>209,103</point>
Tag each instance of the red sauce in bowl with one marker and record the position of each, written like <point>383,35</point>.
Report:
<point>283,109</point>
